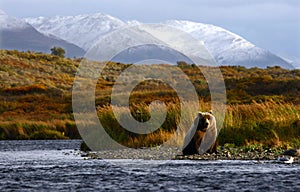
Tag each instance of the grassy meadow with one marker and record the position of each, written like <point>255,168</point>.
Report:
<point>263,105</point>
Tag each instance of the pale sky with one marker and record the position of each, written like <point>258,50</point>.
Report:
<point>269,24</point>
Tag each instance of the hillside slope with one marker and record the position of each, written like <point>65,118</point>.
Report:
<point>18,35</point>
<point>36,101</point>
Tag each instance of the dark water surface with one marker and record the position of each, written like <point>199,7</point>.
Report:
<point>56,166</point>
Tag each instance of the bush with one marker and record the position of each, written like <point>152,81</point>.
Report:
<point>58,51</point>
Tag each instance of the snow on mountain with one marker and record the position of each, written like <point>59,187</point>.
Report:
<point>226,47</point>
<point>2,12</point>
<point>11,23</point>
<point>17,34</point>
<point>82,30</point>
<point>229,48</point>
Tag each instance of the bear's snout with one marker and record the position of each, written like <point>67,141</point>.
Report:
<point>205,125</point>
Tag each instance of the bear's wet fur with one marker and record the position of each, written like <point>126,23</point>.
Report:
<point>205,121</point>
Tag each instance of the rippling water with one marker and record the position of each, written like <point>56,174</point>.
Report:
<point>56,165</point>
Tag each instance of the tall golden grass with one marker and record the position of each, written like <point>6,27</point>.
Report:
<point>25,129</point>
<point>270,123</point>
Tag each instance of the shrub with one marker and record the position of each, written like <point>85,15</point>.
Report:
<point>58,51</point>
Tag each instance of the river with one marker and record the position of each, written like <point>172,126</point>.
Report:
<point>58,166</point>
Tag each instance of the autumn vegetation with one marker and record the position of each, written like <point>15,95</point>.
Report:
<point>263,105</point>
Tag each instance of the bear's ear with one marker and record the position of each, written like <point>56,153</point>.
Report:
<point>200,114</point>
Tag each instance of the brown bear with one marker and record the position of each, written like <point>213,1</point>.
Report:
<point>202,135</point>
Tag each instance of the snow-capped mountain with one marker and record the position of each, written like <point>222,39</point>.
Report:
<point>11,23</point>
<point>17,34</point>
<point>229,48</point>
<point>82,30</point>
<point>226,47</point>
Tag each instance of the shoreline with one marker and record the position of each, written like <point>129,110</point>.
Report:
<point>173,153</point>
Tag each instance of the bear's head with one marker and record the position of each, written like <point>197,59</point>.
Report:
<point>204,121</point>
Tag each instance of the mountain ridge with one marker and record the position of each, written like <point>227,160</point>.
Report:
<point>234,49</point>
<point>62,26</point>
<point>226,47</point>
<point>17,34</point>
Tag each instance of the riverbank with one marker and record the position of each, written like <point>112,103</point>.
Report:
<point>173,153</point>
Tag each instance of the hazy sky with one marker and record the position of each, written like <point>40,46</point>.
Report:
<point>270,24</point>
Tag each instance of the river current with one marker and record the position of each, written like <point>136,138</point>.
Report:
<point>58,166</point>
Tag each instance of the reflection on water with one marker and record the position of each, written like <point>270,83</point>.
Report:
<point>56,165</point>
